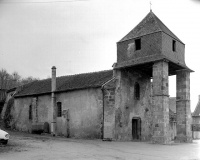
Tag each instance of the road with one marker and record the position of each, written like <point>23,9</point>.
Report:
<point>23,146</point>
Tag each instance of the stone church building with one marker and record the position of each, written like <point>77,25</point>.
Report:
<point>130,102</point>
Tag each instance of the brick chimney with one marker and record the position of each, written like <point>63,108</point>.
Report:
<point>53,101</point>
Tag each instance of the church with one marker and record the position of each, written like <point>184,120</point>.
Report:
<point>129,103</point>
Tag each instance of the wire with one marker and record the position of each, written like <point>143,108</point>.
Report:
<point>59,1</point>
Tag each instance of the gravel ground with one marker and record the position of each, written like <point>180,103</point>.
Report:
<point>24,146</point>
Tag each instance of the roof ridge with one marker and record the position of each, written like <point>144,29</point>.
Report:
<point>154,16</point>
<point>123,39</point>
<point>173,35</point>
<point>67,76</point>
<point>69,82</point>
<point>149,24</point>
<point>84,73</point>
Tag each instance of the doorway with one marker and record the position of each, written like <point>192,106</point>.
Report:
<point>136,128</point>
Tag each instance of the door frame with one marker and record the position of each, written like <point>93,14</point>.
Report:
<point>138,121</point>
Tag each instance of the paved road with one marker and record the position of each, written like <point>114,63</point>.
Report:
<point>36,147</point>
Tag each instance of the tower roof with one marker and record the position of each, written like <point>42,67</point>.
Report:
<point>150,24</point>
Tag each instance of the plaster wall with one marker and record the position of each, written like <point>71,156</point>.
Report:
<point>81,113</point>
<point>40,110</point>
<point>84,113</point>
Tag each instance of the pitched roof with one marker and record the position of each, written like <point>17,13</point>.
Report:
<point>66,83</point>
<point>197,109</point>
<point>150,24</point>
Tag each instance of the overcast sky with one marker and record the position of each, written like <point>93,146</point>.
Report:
<point>80,36</point>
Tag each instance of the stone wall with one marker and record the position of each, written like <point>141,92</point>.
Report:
<point>178,55</point>
<point>161,126</point>
<point>109,110</point>
<point>183,112</point>
<point>128,107</point>
<point>150,45</point>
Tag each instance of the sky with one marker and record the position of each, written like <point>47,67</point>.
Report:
<point>79,36</point>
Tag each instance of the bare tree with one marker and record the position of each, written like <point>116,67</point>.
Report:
<point>3,78</point>
<point>8,81</point>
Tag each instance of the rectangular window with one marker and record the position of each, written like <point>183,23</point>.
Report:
<point>174,45</point>
<point>30,112</point>
<point>137,44</point>
<point>59,109</point>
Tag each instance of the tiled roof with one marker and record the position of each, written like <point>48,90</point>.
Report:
<point>66,83</point>
<point>197,109</point>
<point>150,24</point>
<point>149,59</point>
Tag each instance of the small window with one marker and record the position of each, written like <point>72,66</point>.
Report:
<point>137,91</point>
<point>137,44</point>
<point>30,112</point>
<point>174,45</point>
<point>59,109</point>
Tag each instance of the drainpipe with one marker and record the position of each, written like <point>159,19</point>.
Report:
<point>53,101</point>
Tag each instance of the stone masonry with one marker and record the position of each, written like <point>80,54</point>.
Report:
<point>160,103</point>
<point>184,133</point>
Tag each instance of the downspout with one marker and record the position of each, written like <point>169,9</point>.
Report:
<point>53,101</point>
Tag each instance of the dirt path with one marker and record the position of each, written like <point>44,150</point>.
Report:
<point>24,146</point>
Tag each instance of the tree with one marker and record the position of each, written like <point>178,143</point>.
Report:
<point>4,77</point>
<point>8,81</point>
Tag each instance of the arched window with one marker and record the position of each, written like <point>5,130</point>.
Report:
<point>59,109</point>
<point>137,91</point>
<point>30,112</point>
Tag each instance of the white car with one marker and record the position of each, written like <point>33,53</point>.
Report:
<point>4,137</point>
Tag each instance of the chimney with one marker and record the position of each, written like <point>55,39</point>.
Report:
<point>53,79</point>
<point>53,101</point>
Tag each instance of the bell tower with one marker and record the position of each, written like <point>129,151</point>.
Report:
<point>152,49</point>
